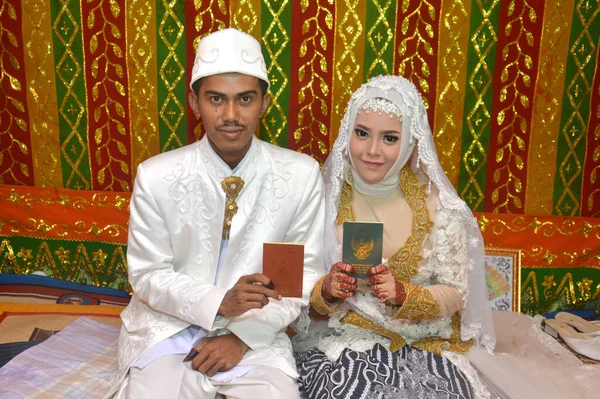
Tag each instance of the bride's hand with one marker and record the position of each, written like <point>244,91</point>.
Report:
<point>385,285</point>
<point>338,284</point>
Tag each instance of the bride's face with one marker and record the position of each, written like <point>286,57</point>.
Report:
<point>375,144</point>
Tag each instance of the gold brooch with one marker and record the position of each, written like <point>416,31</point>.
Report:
<point>232,186</point>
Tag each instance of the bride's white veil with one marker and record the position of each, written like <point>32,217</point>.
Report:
<point>476,316</point>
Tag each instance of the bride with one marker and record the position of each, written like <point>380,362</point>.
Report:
<point>421,322</point>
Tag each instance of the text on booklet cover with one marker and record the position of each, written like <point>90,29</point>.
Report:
<point>362,246</point>
<point>283,263</point>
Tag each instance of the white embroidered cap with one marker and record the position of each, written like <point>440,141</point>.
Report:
<point>229,50</point>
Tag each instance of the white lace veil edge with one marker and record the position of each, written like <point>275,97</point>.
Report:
<point>476,316</point>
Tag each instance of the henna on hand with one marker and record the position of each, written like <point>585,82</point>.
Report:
<point>400,293</point>
<point>337,284</point>
<point>385,285</point>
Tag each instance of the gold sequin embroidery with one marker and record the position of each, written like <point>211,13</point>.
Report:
<point>405,262</point>
<point>357,320</point>
<point>345,210</point>
<point>419,303</point>
<point>432,344</point>
<point>454,343</point>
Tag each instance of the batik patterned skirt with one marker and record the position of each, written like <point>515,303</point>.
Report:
<point>380,374</point>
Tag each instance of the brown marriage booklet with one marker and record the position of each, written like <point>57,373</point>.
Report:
<point>283,263</point>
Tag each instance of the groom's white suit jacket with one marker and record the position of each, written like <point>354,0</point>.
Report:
<point>177,212</point>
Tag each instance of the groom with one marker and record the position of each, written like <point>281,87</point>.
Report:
<point>199,217</point>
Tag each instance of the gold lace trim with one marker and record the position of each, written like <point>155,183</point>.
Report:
<point>359,321</point>
<point>430,344</point>
<point>454,343</point>
<point>405,262</point>
<point>419,303</point>
<point>345,210</point>
<point>319,303</point>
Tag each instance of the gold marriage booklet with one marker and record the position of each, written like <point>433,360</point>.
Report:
<point>362,246</point>
<point>283,263</point>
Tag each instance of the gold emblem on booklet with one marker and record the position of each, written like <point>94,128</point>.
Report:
<point>362,249</point>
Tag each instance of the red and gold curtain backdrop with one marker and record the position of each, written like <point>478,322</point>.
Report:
<point>91,88</point>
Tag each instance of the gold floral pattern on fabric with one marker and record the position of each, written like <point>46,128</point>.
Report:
<point>548,258</point>
<point>453,47</point>
<point>275,42</point>
<point>357,320</point>
<point>546,116</point>
<point>315,52</point>
<point>572,138</point>
<point>15,130</point>
<point>316,47</point>
<point>546,228</point>
<point>378,44</point>
<point>70,73</point>
<point>104,39</point>
<point>513,112</point>
<point>319,303</point>
<point>349,51</point>
<point>98,200</point>
<point>419,303</point>
<point>232,186</point>
<point>170,34</point>
<point>452,50</point>
<point>62,230</point>
<point>453,344</point>
<point>416,14</point>
<point>479,85</point>
<point>405,262</point>
<point>246,17</point>
<point>142,79</point>
<point>456,343</point>
<point>432,344</point>
<point>41,100</point>
<point>345,210</point>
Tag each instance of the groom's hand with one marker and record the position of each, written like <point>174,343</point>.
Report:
<point>250,292</point>
<point>217,354</point>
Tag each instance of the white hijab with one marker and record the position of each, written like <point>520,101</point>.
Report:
<point>416,145</point>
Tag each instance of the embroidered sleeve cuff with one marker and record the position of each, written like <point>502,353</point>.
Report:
<point>419,303</point>
<point>319,303</point>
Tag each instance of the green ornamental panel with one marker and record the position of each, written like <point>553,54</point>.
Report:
<point>85,262</point>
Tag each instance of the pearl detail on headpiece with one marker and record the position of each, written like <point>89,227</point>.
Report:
<point>381,105</point>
